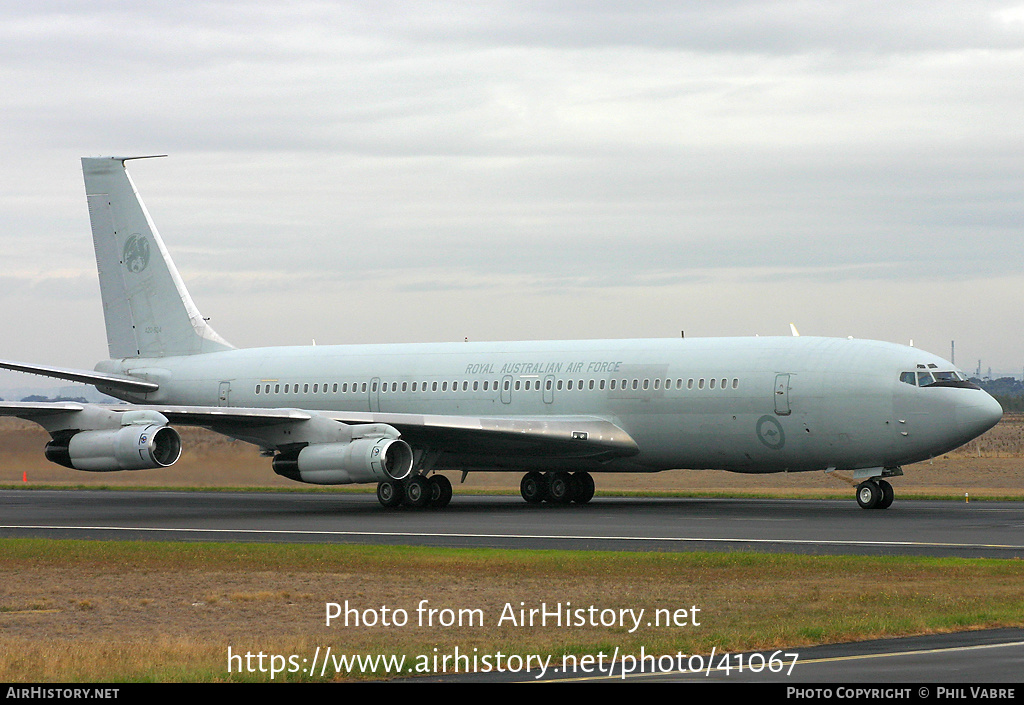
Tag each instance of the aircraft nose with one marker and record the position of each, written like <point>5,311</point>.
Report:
<point>978,415</point>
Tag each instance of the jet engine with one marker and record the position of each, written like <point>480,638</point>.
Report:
<point>132,447</point>
<point>361,460</point>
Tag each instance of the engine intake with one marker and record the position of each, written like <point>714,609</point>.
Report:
<point>361,460</point>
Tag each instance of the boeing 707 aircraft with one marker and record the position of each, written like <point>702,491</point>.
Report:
<point>558,412</point>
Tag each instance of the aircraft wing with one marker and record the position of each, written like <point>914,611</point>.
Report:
<point>536,436</point>
<point>560,436</point>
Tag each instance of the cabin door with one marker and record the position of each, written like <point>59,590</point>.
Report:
<point>782,395</point>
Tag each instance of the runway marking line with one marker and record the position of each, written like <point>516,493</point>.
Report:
<point>406,534</point>
<point>830,659</point>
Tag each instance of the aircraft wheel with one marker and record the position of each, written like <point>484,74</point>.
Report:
<point>560,486</point>
<point>583,487</point>
<point>869,494</point>
<point>417,491</point>
<point>887,495</point>
<point>533,487</point>
<point>389,494</point>
<point>440,491</point>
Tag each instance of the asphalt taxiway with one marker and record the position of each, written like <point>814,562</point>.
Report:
<point>932,528</point>
<point>926,667</point>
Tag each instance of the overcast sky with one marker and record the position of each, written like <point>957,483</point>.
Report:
<point>432,171</point>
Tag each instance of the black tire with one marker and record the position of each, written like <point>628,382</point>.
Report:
<point>533,487</point>
<point>417,491</point>
<point>440,491</point>
<point>888,495</point>
<point>389,494</point>
<point>583,487</point>
<point>560,487</point>
<point>869,494</point>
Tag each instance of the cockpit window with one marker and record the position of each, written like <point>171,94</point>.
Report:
<point>937,378</point>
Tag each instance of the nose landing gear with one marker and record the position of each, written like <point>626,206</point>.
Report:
<point>875,494</point>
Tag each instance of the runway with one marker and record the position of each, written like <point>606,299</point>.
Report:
<point>922,528</point>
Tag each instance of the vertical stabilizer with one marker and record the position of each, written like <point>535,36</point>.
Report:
<point>148,311</point>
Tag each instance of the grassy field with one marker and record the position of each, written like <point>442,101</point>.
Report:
<point>99,611</point>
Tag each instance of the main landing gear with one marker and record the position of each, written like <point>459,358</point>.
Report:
<point>416,491</point>
<point>874,494</point>
<point>557,487</point>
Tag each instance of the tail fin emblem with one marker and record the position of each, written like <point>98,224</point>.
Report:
<point>136,253</point>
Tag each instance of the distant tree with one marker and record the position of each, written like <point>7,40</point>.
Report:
<point>1010,403</point>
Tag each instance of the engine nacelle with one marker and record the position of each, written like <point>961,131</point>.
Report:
<point>361,460</point>
<point>132,447</point>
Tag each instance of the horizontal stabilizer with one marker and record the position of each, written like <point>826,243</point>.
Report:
<point>98,379</point>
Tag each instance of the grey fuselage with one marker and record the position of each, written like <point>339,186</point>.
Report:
<point>741,404</point>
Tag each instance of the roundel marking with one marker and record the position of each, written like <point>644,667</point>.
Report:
<point>136,253</point>
<point>769,432</point>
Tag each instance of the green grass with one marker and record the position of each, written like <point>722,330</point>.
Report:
<point>746,601</point>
